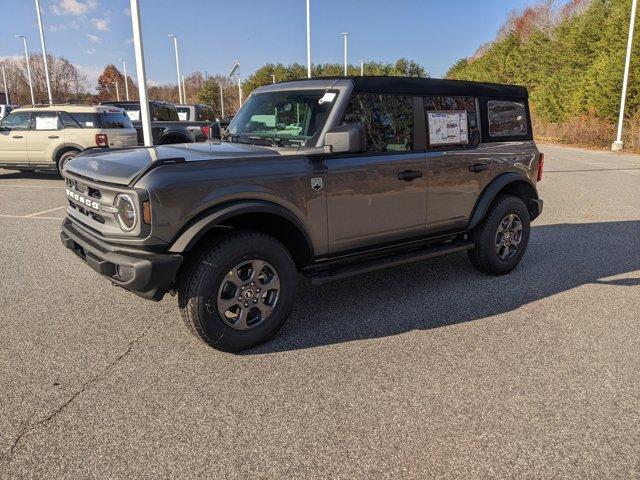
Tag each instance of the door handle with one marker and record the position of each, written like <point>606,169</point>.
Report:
<point>16,136</point>
<point>478,167</point>
<point>409,175</point>
<point>54,136</point>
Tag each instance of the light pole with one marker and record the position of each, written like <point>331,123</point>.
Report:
<point>273,78</point>
<point>44,53</point>
<point>346,36</point>
<point>362,68</point>
<point>235,68</point>
<point>221,101</point>
<point>117,91</point>
<point>6,90</point>
<point>26,55</point>
<point>141,74</point>
<point>184,90</point>
<point>308,39</point>
<point>618,144</point>
<point>175,46</point>
<point>126,82</point>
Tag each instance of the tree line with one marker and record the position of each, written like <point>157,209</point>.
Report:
<point>571,58</point>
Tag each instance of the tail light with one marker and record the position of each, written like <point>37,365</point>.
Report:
<point>205,130</point>
<point>102,140</point>
<point>540,166</point>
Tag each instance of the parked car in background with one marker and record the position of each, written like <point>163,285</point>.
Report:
<point>166,127</point>
<point>196,111</point>
<point>328,177</point>
<point>6,110</point>
<point>45,137</point>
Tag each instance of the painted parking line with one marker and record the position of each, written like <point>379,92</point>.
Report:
<point>31,218</point>
<point>44,211</point>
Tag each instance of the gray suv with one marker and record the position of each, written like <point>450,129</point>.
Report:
<point>327,177</point>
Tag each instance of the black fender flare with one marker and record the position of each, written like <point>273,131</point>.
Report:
<point>66,146</point>
<point>492,190</point>
<point>196,229</point>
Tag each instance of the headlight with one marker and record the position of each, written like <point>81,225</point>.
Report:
<point>126,213</point>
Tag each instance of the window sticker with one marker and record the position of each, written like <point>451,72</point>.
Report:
<point>134,115</point>
<point>47,122</point>
<point>328,97</point>
<point>88,124</point>
<point>182,116</point>
<point>448,127</point>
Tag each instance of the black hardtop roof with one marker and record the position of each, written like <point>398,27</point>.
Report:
<point>430,86</point>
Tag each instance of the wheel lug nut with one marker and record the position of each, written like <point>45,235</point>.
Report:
<point>252,284</point>
<point>255,300</point>
<point>240,298</point>
<point>258,290</point>
<point>246,304</point>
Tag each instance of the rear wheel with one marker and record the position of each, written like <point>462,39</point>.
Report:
<point>238,292</point>
<point>502,238</point>
<point>65,157</point>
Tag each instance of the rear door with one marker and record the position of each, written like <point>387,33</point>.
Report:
<point>381,195</point>
<point>45,135</point>
<point>459,167</point>
<point>13,138</point>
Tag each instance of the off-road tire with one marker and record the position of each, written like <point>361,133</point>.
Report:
<point>205,270</point>
<point>484,256</point>
<point>64,158</point>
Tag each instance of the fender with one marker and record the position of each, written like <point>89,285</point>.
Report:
<point>189,237</point>
<point>491,191</point>
<point>65,146</point>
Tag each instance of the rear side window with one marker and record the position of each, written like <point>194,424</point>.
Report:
<point>451,121</point>
<point>164,113</point>
<point>115,120</point>
<point>507,118</point>
<point>205,114</point>
<point>80,120</point>
<point>387,120</point>
<point>45,121</point>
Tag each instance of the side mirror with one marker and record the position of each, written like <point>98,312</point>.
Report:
<point>214,131</point>
<point>345,139</point>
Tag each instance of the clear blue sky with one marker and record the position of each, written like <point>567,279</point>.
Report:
<point>213,33</point>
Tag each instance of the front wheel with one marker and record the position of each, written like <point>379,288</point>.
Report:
<point>238,292</point>
<point>502,238</point>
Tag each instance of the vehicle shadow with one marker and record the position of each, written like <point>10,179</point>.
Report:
<point>35,175</point>
<point>448,291</point>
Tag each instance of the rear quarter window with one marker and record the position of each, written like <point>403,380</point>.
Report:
<point>507,118</point>
<point>115,120</point>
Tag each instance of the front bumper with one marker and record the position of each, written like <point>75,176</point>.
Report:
<point>148,275</point>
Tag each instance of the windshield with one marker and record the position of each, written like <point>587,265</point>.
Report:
<point>282,119</point>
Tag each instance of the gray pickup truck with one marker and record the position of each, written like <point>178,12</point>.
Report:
<point>327,177</point>
<point>166,125</point>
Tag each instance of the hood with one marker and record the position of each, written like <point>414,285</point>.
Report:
<point>122,166</point>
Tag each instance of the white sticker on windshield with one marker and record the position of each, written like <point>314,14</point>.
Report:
<point>327,97</point>
<point>134,115</point>
<point>47,123</point>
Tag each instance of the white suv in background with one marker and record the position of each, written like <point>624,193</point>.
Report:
<point>45,137</point>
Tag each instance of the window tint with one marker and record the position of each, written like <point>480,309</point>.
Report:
<point>507,119</point>
<point>164,113</point>
<point>461,134</point>
<point>45,121</point>
<point>205,113</point>
<point>115,120</point>
<point>387,120</point>
<point>80,120</point>
<point>17,121</point>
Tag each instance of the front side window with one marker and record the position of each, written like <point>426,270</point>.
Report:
<point>17,121</point>
<point>45,121</point>
<point>451,121</point>
<point>282,119</point>
<point>507,118</point>
<point>387,120</point>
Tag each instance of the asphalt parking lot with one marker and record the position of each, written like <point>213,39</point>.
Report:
<point>426,370</point>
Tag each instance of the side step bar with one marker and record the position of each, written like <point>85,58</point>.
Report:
<point>328,274</point>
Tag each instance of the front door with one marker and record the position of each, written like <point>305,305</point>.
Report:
<point>378,196</point>
<point>13,139</point>
<point>45,135</point>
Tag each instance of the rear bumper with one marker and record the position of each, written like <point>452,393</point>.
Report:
<point>148,275</point>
